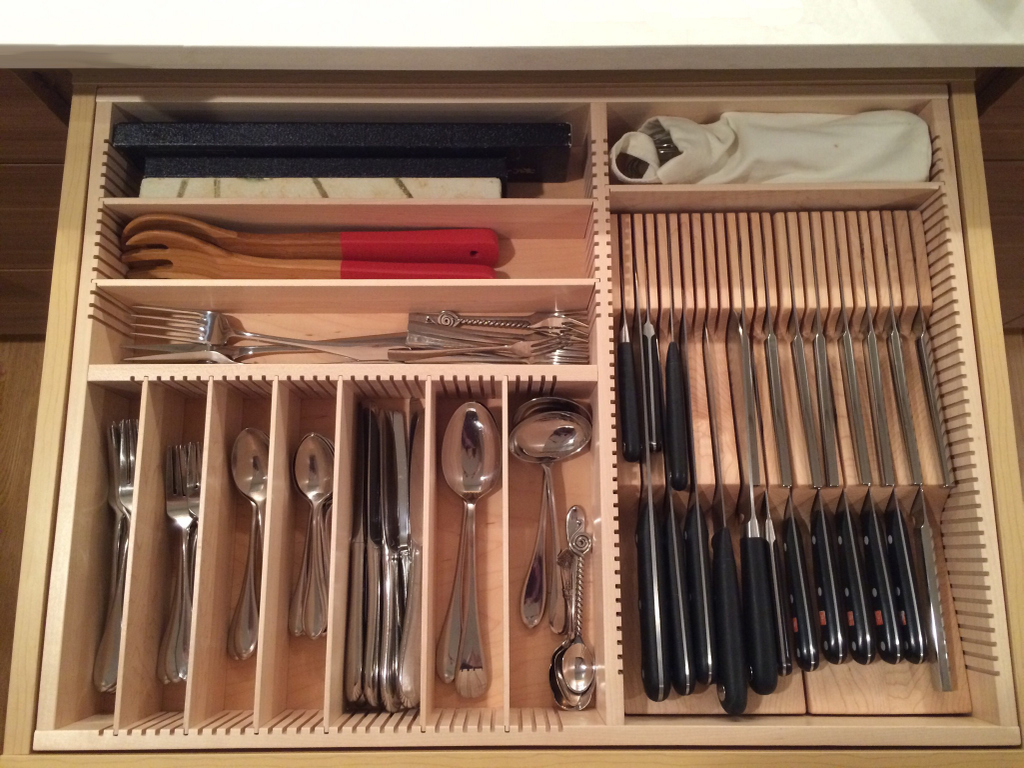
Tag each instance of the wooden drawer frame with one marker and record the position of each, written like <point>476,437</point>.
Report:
<point>994,398</point>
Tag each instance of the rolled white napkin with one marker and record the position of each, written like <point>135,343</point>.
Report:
<point>754,147</point>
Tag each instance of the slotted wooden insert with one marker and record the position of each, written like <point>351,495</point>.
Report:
<point>560,249</point>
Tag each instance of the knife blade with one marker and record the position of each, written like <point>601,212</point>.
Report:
<point>409,649</point>
<point>374,544</point>
<point>357,568</point>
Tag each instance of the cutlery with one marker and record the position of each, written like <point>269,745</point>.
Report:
<point>782,596</point>
<point>250,463</point>
<point>876,555</point>
<point>861,634</point>
<point>544,436</point>
<point>409,649</point>
<point>651,582</point>
<point>390,623</point>
<point>650,358</point>
<point>208,262</point>
<point>471,464</point>
<point>676,431</point>
<point>374,543</point>
<point>174,645</point>
<point>468,246</point>
<point>824,545</point>
<point>313,474</point>
<point>695,542</point>
<point>122,440</point>
<point>542,320</point>
<point>627,412</point>
<point>926,539</point>
<point>573,670</point>
<point>760,637</point>
<point>903,568</point>
<point>732,671</point>
<point>356,619</point>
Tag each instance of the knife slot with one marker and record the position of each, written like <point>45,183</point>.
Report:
<point>290,670</point>
<point>168,415</point>
<point>217,682</point>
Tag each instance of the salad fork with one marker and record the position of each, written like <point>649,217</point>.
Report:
<point>174,647</point>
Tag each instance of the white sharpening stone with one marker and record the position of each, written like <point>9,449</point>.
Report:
<point>360,189</point>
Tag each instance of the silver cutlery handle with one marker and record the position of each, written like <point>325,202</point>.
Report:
<point>244,629</point>
<point>471,672</point>
<point>297,607</point>
<point>104,671</point>
<point>556,603</point>
<point>936,628</point>
<point>327,345</point>
<point>173,657</point>
<point>826,411</point>
<point>315,605</point>
<point>879,418</point>
<point>409,649</point>
<point>389,634</point>
<point>371,639</point>
<point>803,388</point>
<point>899,378</point>
<point>534,595</point>
<point>447,652</point>
<point>356,620</point>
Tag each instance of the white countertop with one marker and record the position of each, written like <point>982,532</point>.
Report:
<point>521,34</point>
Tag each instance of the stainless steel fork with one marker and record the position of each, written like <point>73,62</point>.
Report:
<point>121,443</point>
<point>193,476</point>
<point>216,328</point>
<point>172,664</point>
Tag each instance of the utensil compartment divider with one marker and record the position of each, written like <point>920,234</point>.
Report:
<point>168,416</point>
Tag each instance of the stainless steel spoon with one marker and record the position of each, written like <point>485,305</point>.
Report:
<point>544,437</point>
<point>250,461</point>
<point>313,472</point>
<point>572,666</point>
<point>471,461</point>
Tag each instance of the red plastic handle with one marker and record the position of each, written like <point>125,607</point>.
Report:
<point>397,270</point>
<point>451,246</point>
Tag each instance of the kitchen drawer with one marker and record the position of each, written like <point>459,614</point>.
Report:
<point>561,247</point>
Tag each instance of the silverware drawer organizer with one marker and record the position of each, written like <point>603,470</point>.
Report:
<point>561,245</point>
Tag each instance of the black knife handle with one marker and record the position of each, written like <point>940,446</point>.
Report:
<point>653,671</point>
<point>698,579</point>
<point>652,380</point>
<point>901,564</point>
<point>676,449</point>
<point>759,638</point>
<point>860,627</point>
<point>801,600</point>
<point>823,552</point>
<point>876,563</point>
<point>730,656</point>
<point>628,410</point>
<point>678,655</point>
<point>785,620</point>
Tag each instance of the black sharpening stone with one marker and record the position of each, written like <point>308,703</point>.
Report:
<point>533,151</point>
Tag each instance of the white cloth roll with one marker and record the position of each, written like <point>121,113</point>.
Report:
<point>756,147</point>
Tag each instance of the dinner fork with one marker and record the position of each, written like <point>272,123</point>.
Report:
<point>193,476</point>
<point>174,647</point>
<point>121,443</point>
<point>216,328</point>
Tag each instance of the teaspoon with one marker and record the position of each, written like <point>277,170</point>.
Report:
<point>250,459</point>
